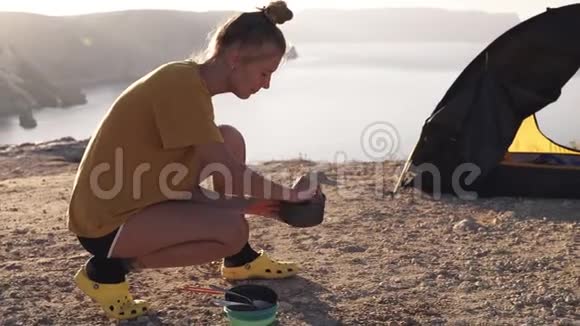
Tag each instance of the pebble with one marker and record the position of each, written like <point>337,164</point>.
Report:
<point>426,284</point>
<point>467,225</point>
<point>466,286</point>
<point>570,299</point>
<point>460,323</point>
<point>162,312</point>
<point>548,300</point>
<point>408,321</point>
<point>353,249</point>
<point>438,321</point>
<point>558,311</point>
<point>546,311</point>
<point>12,322</point>
<point>566,322</point>
<point>481,284</point>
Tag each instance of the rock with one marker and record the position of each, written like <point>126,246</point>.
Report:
<point>426,284</point>
<point>27,120</point>
<point>481,285</point>
<point>13,267</point>
<point>466,286</point>
<point>291,53</point>
<point>460,323</point>
<point>408,321</point>
<point>44,321</point>
<point>531,322</point>
<point>62,284</point>
<point>438,321</point>
<point>353,249</point>
<point>547,300</point>
<point>12,322</point>
<point>546,311</point>
<point>558,311</point>
<point>570,299</point>
<point>467,225</point>
<point>66,148</point>
<point>566,322</point>
<point>23,88</point>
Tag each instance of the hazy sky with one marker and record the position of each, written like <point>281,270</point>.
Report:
<point>524,8</point>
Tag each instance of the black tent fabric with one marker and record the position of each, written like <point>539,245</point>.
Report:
<point>518,74</point>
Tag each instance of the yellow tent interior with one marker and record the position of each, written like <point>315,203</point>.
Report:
<point>531,140</point>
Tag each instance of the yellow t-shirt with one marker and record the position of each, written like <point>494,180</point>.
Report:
<point>143,151</point>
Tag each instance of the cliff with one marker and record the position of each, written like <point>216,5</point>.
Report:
<point>46,61</point>
<point>24,88</point>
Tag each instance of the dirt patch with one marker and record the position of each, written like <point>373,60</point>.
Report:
<point>375,260</point>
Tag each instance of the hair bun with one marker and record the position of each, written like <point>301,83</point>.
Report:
<point>277,12</point>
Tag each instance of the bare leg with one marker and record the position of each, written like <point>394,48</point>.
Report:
<point>183,233</point>
<point>169,234</point>
<point>180,233</point>
<point>236,145</point>
<point>246,263</point>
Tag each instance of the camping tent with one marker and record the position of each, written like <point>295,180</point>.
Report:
<point>483,136</point>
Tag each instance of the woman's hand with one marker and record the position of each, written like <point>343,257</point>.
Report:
<point>263,207</point>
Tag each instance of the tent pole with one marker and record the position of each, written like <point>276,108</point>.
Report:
<point>404,172</point>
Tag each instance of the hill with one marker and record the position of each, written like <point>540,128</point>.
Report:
<point>47,61</point>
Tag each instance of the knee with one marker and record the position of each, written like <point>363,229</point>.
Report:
<point>234,140</point>
<point>238,233</point>
<point>230,133</point>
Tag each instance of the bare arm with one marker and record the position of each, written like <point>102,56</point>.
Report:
<point>236,204</point>
<point>215,157</point>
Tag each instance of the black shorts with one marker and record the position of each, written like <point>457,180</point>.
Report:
<point>100,247</point>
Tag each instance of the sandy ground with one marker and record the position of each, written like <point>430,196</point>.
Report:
<point>375,260</point>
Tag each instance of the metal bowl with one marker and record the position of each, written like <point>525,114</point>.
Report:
<point>303,214</point>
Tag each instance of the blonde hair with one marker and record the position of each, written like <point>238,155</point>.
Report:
<point>251,29</point>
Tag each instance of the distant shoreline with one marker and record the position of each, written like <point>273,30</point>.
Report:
<point>105,47</point>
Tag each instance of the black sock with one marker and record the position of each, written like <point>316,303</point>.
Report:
<point>108,270</point>
<point>246,255</point>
